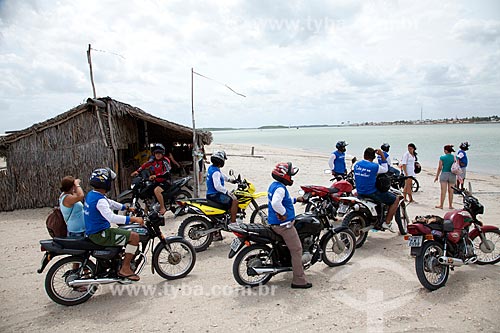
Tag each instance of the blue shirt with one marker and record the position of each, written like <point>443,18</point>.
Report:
<point>463,161</point>
<point>287,202</point>
<point>365,176</point>
<point>210,181</point>
<point>73,216</point>
<point>339,162</point>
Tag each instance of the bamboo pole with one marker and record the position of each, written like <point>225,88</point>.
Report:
<point>89,59</point>
<point>196,192</point>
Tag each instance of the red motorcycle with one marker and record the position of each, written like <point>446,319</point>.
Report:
<point>440,244</point>
<point>325,200</point>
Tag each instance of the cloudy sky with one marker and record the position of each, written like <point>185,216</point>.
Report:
<point>297,62</point>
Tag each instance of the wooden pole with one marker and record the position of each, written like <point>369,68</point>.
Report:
<point>196,192</point>
<point>89,59</point>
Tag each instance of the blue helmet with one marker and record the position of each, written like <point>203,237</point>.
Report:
<point>101,178</point>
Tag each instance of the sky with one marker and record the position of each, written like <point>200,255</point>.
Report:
<point>296,62</point>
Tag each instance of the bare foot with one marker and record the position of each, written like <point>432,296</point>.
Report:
<point>440,207</point>
<point>413,201</point>
<point>451,207</point>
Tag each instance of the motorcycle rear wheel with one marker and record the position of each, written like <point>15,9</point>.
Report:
<point>414,184</point>
<point>64,271</point>
<point>259,215</point>
<point>431,274</point>
<point>402,219</point>
<point>255,255</point>
<point>338,248</point>
<point>485,256</point>
<point>175,263</point>
<point>356,222</point>
<point>188,228</point>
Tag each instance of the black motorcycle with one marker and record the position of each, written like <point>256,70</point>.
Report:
<point>75,278</point>
<point>262,253</point>
<point>142,189</point>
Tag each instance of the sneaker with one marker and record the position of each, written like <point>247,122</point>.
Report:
<point>387,226</point>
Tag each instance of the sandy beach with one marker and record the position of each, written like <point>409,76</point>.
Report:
<point>376,291</point>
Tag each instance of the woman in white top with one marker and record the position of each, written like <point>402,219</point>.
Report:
<point>408,163</point>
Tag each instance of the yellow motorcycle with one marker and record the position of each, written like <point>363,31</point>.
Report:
<point>210,217</point>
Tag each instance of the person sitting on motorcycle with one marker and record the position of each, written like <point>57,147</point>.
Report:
<point>281,216</point>
<point>337,161</point>
<point>215,187</point>
<point>98,214</point>
<point>385,148</point>
<point>365,176</point>
<point>160,166</point>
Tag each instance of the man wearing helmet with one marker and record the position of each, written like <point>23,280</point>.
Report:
<point>98,214</point>
<point>463,161</point>
<point>215,186</point>
<point>160,167</point>
<point>365,176</point>
<point>337,160</point>
<point>385,149</point>
<point>281,217</point>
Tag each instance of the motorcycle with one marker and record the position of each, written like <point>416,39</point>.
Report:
<point>440,244</point>
<point>362,215</point>
<point>261,253</point>
<point>142,189</point>
<point>211,217</point>
<point>398,181</point>
<point>75,278</point>
<point>326,199</point>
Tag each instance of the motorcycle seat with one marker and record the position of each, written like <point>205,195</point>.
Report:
<point>78,243</point>
<point>204,201</point>
<point>261,230</point>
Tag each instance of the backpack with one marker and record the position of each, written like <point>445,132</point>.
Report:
<point>56,226</point>
<point>383,182</point>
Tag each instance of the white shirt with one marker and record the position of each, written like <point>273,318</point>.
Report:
<point>277,199</point>
<point>217,184</point>
<point>409,160</point>
<point>106,206</point>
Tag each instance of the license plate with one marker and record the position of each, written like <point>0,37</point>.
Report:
<point>342,209</point>
<point>235,244</point>
<point>415,241</point>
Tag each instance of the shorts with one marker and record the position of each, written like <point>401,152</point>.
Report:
<point>221,198</point>
<point>165,185</point>
<point>464,172</point>
<point>447,177</point>
<point>111,237</point>
<point>387,198</point>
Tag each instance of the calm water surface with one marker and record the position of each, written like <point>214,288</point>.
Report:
<point>484,154</point>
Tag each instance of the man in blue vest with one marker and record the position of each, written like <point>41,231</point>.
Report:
<point>463,161</point>
<point>98,214</point>
<point>281,216</point>
<point>337,160</point>
<point>385,148</point>
<point>365,176</point>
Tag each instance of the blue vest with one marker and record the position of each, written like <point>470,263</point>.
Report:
<point>463,161</point>
<point>94,221</point>
<point>210,182</point>
<point>287,202</point>
<point>339,162</point>
<point>386,155</point>
<point>365,176</point>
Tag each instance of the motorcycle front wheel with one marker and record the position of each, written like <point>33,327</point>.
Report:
<point>488,252</point>
<point>176,262</point>
<point>338,248</point>
<point>259,215</point>
<point>190,228</point>
<point>402,219</point>
<point>64,271</point>
<point>431,274</point>
<point>249,257</point>
<point>356,222</point>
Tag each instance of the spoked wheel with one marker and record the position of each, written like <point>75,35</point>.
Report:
<point>176,261</point>
<point>402,219</point>
<point>192,229</point>
<point>414,184</point>
<point>338,248</point>
<point>259,215</point>
<point>356,222</point>
<point>487,250</point>
<point>253,256</point>
<point>64,271</point>
<point>431,274</point>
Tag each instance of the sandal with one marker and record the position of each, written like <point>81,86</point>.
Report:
<point>131,277</point>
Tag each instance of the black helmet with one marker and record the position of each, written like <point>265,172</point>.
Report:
<point>159,148</point>
<point>385,147</point>
<point>464,145</point>
<point>218,158</point>
<point>341,146</point>
<point>102,178</point>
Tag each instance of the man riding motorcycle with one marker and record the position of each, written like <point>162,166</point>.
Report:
<point>337,160</point>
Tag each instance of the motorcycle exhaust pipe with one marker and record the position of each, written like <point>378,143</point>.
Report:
<point>450,261</point>
<point>87,282</point>
<point>259,271</point>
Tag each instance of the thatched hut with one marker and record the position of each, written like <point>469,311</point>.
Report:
<point>101,132</point>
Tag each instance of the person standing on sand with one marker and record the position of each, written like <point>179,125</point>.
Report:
<point>408,166</point>
<point>463,161</point>
<point>70,202</point>
<point>337,160</point>
<point>446,178</point>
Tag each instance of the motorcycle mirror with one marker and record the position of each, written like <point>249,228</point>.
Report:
<point>354,159</point>
<point>302,192</point>
<point>231,172</point>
